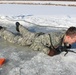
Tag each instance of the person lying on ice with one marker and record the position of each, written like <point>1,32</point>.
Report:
<point>52,43</point>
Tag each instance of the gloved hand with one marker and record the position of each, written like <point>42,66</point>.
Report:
<point>58,50</point>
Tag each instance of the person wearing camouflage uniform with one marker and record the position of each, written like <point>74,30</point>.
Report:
<point>36,41</point>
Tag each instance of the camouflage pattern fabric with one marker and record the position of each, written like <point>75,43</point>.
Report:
<point>36,41</point>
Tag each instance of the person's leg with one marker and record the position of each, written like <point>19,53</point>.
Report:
<point>12,38</point>
<point>23,30</point>
<point>9,36</point>
<point>25,33</point>
<point>39,40</point>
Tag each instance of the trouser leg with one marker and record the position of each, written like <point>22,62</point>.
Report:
<point>12,38</point>
<point>25,32</point>
<point>7,35</point>
<point>40,43</point>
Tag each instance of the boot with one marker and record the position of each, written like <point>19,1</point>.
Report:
<point>17,26</point>
<point>1,27</point>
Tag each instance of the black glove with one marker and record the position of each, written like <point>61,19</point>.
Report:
<point>63,48</point>
<point>58,50</point>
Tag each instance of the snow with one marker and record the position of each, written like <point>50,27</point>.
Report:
<point>45,65</point>
<point>22,60</point>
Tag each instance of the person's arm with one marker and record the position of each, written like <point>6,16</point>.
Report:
<point>59,49</point>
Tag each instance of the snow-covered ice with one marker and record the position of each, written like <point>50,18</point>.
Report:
<point>22,60</point>
<point>45,65</point>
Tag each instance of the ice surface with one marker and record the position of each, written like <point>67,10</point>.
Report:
<point>14,55</point>
<point>42,64</point>
<point>24,61</point>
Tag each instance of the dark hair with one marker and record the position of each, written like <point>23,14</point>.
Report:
<point>71,31</point>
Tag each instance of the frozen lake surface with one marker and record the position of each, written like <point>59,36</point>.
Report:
<point>24,61</point>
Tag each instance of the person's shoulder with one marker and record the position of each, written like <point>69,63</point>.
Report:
<point>56,37</point>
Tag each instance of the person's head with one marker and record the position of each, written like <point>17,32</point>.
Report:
<point>70,35</point>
